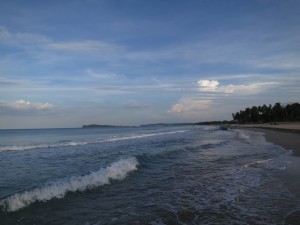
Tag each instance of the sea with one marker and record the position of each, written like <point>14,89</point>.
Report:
<point>152,175</point>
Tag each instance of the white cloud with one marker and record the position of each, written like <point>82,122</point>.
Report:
<point>190,106</point>
<point>208,85</point>
<point>207,106</point>
<point>252,88</point>
<point>193,109</point>
<point>25,105</point>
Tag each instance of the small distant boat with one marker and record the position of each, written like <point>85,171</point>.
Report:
<point>223,127</point>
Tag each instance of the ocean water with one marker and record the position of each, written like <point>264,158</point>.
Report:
<point>147,175</point>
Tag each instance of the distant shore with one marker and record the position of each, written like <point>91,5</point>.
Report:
<point>286,135</point>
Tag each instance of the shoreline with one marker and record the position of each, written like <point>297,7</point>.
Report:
<point>284,135</point>
<point>288,137</point>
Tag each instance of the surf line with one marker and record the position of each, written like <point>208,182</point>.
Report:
<point>80,143</point>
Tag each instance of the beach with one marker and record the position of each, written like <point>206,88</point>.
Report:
<point>286,135</point>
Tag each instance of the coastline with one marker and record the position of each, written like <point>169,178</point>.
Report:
<point>286,135</point>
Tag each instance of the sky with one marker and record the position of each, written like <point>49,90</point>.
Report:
<point>131,62</point>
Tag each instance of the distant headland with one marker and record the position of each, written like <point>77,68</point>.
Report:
<point>251,115</point>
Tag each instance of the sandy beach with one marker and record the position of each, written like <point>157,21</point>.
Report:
<point>286,135</point>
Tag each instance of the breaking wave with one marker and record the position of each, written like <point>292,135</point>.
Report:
<point>116,171</point>
<point>80,143</point>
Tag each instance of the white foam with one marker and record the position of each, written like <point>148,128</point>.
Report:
<point>80,143</point>
<point>256,138</point>
<point>144,135</point>
<point>211,142</point>
<point>278,163</point>
<point>58,189</point>
<point>256,163</point>
<point>28,147</point>
<point>210,128</point>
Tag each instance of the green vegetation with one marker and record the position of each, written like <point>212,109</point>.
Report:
<point>266,114</point>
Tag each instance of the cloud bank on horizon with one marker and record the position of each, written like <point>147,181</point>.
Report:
<point>68,63</point>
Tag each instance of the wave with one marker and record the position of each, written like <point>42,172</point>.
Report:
<point>212,143</point>
<point>252,137</point>
<point>80,143</point>
<point>144,135</point>
<point>116,171</point>
<point>55,145</point>
<point>278,163</point>
<point>256,163</point>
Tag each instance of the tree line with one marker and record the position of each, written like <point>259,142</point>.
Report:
<point>266,114</point>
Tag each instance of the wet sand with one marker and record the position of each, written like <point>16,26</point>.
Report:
<point>286,135</point>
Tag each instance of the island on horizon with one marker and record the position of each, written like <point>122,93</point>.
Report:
<point>101,126</point>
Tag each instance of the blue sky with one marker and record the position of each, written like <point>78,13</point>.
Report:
<point>131,62</point>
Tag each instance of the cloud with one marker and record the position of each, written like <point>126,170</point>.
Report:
<point>284,61</point>
<point>21,37</point>
<point>252,88</point>
<point>211,99</point>
<point>193,108</point>
<point>178,108</point>
<point>25,105</point>
<point>4,33</point>
<point>208,85</point>
<point>9,82</point>
<point>237,48</point>
<point>42,46</point>
<point>86,46</point>
<point>100,75</point>
<point>190,105</point>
